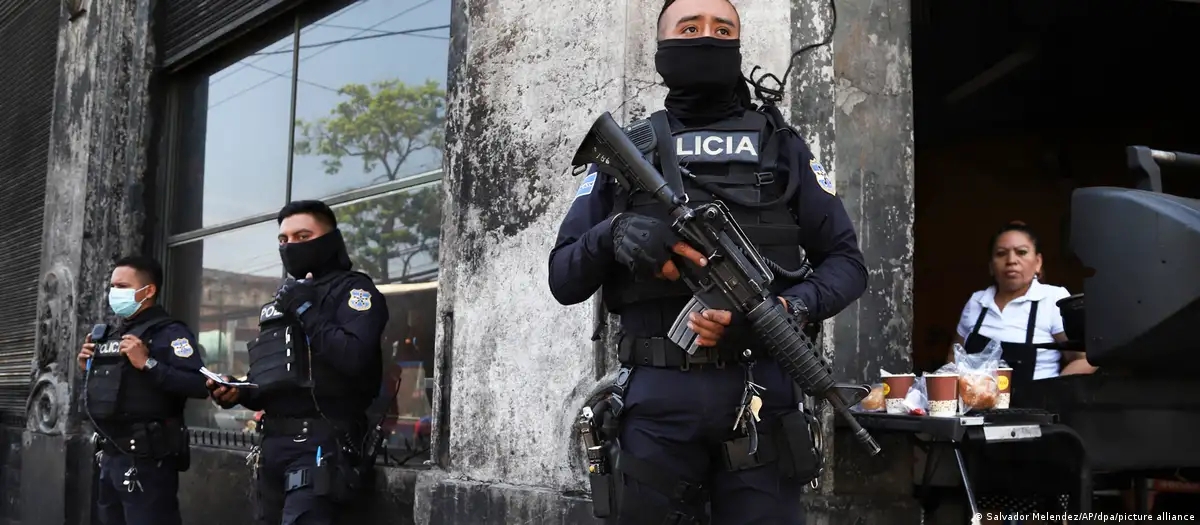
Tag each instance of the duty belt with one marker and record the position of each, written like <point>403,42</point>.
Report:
<point>287,426</point>
<point>660,352</point>
<point>138,438</point>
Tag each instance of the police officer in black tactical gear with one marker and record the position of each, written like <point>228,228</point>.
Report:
<point>138,376</point>
<point>317,366</point>
<point>681,439</point>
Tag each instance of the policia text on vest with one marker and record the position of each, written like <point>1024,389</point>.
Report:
<point>317,364</point>
<point>138,376</point>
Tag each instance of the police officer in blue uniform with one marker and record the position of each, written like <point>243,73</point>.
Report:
<point>139,376</point>
<point>679,447</point>
<point>318,365</point>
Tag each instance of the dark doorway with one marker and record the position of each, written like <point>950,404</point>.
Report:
<point>1016,104</point>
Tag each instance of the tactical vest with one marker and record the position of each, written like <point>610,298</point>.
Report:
<point>279,356</point>
<point>117,391</point>
<point>738,157</point>
<point>281,359</point>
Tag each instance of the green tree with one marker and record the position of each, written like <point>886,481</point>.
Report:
<point>381,126</point>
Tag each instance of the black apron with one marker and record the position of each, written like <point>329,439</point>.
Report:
<point>1021,357</point>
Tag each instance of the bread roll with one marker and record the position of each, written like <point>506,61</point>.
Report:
<point>978,391</point>
<point>875,400</point>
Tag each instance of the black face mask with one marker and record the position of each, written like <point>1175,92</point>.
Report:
<point>319,256</point>
<point>703,75</point>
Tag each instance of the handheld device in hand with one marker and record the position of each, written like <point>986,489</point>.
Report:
<point>96,334</point>
<point>222,382</point>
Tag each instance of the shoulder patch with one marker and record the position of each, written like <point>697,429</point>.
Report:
<point>822,176</point>
<point>182,347</point>
<point>360,300</point>
<point>589,183</point>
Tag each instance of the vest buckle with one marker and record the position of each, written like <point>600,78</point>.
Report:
<point>764,178</point>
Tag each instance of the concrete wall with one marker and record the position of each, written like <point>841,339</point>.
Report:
<point>94,213</point>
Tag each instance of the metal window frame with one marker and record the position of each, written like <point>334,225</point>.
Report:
<point>162,241</point>
<point>349,197</point>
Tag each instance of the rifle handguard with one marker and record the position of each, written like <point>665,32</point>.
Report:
<point>793,350</point>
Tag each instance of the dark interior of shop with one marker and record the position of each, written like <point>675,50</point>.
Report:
<point>1017,103</point>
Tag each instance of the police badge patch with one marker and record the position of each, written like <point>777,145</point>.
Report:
<point>822,177</point>
<point>183,348</point>
<point>589,183</point>
<point>360,300</point>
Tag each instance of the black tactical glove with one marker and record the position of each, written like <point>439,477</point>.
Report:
<point>295,296</point>
<point>642,244</point>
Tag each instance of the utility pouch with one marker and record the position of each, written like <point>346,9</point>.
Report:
<point>334,479</point>
<point>603,502</point>
<point>736,452</point>
<point>175,443</point>
<point>798,455</point>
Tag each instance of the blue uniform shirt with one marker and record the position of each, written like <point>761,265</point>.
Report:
<point>178,370</point>
<point>583,253</point>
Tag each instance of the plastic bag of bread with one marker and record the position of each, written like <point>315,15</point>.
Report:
<point>977,385</point>
<point>874,402</point>
<point>977,391</point>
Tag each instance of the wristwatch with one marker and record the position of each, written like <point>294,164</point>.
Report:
<point>150,364</point>
<point>796,308</point>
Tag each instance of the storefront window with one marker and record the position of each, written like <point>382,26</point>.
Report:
<point>367,139</point>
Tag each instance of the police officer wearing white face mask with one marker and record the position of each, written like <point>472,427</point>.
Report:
<point>139,375</point>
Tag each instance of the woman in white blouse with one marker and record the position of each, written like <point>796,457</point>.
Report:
<point>1019,311</point>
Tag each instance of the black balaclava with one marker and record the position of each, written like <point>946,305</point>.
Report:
<point>703,75</point>
<point>319,256</point>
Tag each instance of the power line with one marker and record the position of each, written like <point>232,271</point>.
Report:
<point>352,28</point>
<point>327,48</point>
<point>356,39</point>
<point>301,80</point>
<point>287,43</point>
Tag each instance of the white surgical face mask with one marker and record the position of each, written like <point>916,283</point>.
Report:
<point>123,301</point>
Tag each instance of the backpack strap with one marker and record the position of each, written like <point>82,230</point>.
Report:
<point>666,151</point>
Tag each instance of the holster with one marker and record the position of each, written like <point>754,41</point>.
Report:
<point>336,477</point>
<point>606,491</point>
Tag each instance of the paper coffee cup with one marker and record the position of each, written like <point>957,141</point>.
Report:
<point>943,394</point>
<point>1004,381</point>
<point>895,389</point>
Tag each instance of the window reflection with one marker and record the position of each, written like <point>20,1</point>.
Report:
<point>370,104</point>
<point>408,362</point>
<point>235,141</point>
<point>218,286</point>
<point>394,238</point>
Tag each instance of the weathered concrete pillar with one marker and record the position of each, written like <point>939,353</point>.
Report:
<point>94,214</point>
<point>527,81</point>
<point>854,106</point>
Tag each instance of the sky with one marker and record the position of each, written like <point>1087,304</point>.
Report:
<point>246,153</point>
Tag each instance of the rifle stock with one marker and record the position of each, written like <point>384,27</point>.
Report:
<point>736,277</point>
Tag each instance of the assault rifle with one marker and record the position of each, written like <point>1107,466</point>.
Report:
<point>736,278</point>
